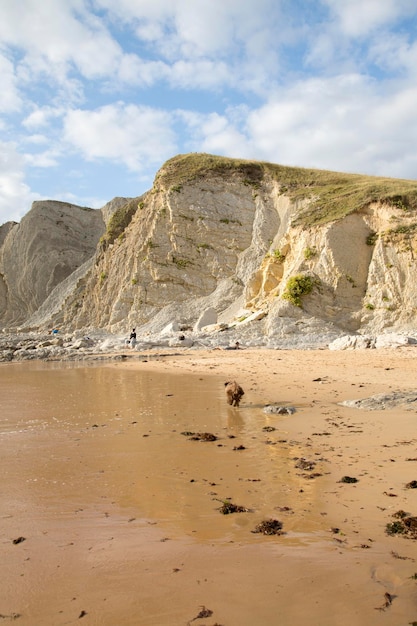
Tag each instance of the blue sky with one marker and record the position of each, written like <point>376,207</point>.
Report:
<point>97,94</point>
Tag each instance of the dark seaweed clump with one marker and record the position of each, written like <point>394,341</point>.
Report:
<point>199,436</point>
<point>269,527</point>
<point>348,479</point>
<point>228,507</point>
<point>204,437</point>
<point>405,525</point>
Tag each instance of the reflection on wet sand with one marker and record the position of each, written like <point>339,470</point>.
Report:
<point>81,444</point>
<point>89,434</point>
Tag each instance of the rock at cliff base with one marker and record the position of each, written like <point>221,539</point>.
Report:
<point>207,318</point>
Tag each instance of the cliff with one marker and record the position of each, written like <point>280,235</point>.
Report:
<point>287,246</point>
<point>50,243</point>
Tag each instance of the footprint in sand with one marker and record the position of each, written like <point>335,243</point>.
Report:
<point>386,576</point>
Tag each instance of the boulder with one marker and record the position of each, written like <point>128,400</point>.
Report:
<point>352,342</point>
<point>86,342</point>
<point>275,409</point>
<point>392,340</point>
<point>172,327</point>
<point>207,318</point>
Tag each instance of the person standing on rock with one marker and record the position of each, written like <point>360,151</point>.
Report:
<point>132,338</point>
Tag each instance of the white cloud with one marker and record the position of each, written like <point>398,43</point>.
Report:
<point>200,75</point>
<point>184,29</point>
<point>136,71</point>
<point>188,45</point>
<point>37,139</point>
<point>41,117</point>
<point>45,159</point>
<point>359,36</point>
<point>357,18</point>
<point>216,134</point>
<point>174,24</point>
<point>53,35</point>
<point>10,99</point>
<point>63,41</point>
<point>15,195</point>
<point>202,31</point>
<point>344,123</point>
<point>394,53</point>
<point>394,119</point>
<point>347,123</point>
<point>208,46</point>
<point>128,134</point>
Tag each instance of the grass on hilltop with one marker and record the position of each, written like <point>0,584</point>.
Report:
<point>333,195</point>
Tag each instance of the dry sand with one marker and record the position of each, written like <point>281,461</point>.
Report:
<point>334,564</point>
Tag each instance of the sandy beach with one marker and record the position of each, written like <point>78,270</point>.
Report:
<point>169,557</point>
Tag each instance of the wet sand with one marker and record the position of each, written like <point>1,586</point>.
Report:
<point>119,510</point>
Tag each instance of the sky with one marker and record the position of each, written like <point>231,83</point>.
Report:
<point>97,94</point>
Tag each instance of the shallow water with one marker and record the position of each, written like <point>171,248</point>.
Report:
<point>76,436</point>
<point>96,477</point>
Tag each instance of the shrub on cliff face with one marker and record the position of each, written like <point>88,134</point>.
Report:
<point>278,256</point>
<point>309,253</point>
<point>118,222</point>
<point>298,286</point>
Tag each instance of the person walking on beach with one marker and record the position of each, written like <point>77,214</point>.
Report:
<point>132,338</point>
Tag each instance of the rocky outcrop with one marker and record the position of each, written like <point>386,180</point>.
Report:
<point>110,208</point>
<point>362,342</point>
<point>50,243</point>
<point>383,401</point>
<point>270,252</point>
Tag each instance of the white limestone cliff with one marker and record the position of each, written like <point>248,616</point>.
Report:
<point>50,243</point>
<point>231,239</point>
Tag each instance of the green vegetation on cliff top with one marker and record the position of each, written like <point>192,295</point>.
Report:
<point>332,195</point>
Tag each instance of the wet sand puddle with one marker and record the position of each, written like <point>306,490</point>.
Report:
<point>87,436</point>
<point>93,456</point>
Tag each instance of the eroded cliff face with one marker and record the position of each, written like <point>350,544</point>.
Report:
<point>335,256</point>
<point>181,245</point>
<point>230,239</point>
<point>226,239</point>
<point>52,240</point>
<point>364,269</point>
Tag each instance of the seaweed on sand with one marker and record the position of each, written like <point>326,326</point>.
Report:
<point>199,436</point>
<point>202,614</point>
<point>405,525</point>
<point>203,437</point>
<point>348,479</point>
<point>304,464</point>
<point>228,507</point>
<point>269,527</point>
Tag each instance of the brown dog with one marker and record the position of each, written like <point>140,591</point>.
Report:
<point>234,392</point>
